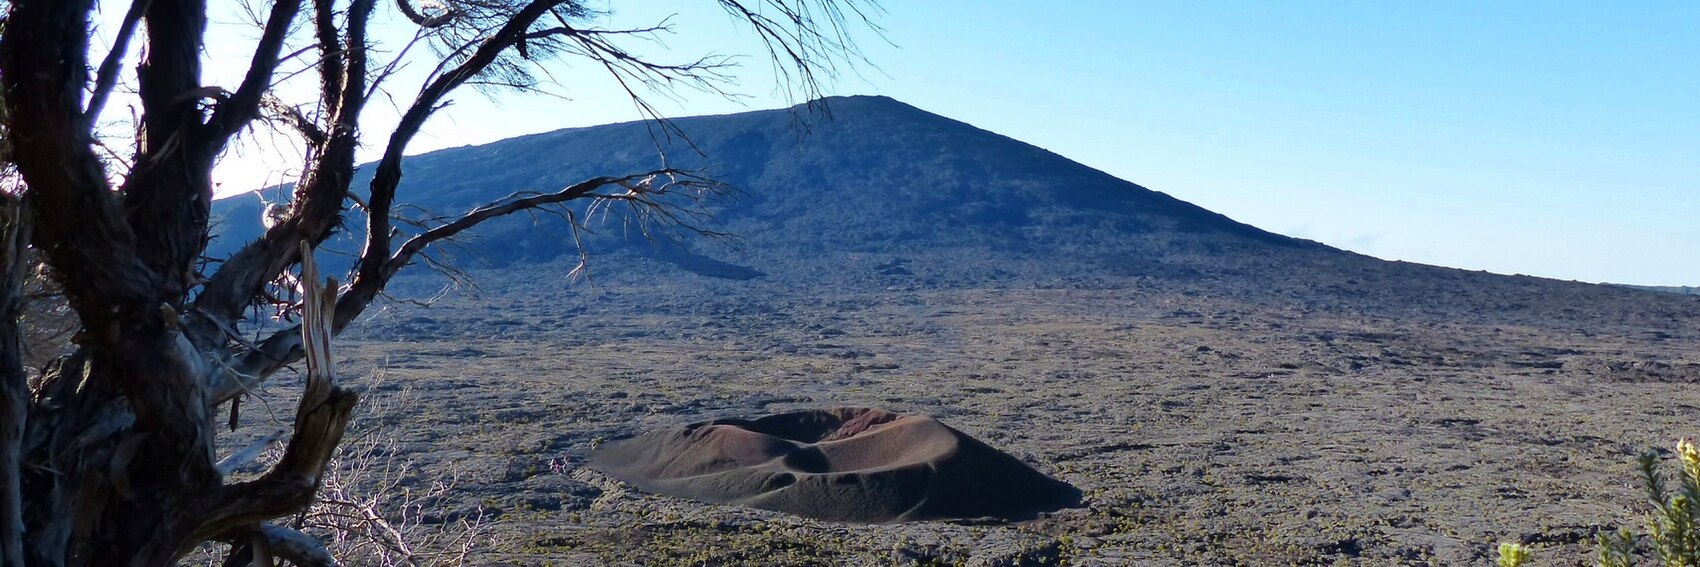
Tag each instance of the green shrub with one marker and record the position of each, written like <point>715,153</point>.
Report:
<point>1673,527</point>
<point>1513,554</point>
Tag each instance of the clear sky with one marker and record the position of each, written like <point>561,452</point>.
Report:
<point>1559,139</point>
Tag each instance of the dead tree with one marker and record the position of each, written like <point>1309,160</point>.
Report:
<point>108,458</point>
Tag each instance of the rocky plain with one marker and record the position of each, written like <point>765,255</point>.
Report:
<point>1221,395</point>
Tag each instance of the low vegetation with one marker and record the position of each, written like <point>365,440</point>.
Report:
<point>1204,430</point>
<point>1672,529</point>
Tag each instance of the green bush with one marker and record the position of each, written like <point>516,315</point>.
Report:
<point>1513,554</point>
<point>1673,527</point>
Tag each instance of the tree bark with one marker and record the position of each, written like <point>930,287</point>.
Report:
<point>14,380</point>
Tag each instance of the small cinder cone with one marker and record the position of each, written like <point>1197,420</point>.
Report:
<point>847,464</point>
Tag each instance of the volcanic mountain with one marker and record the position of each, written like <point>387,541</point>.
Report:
<point>1218,394</point>
<point>868,191</point>
<point>859,175</point>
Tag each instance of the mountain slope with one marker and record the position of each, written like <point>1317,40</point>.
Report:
<point>873,176</point>
<point>879,193</point>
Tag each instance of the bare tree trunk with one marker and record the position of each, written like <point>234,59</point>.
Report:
<point>14,382</point>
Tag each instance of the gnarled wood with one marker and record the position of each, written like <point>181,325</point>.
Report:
<point>321,418</point>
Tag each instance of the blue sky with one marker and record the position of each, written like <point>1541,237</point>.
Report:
<point>1559,139</point>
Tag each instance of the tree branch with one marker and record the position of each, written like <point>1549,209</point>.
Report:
<point>89,242</point>
<point>638,188</point>
<point>388,176</point>
<point>244,105</point>
<point>296,547</point>
<point>318,199</point>
<point>245,274</point>
<point>167,193</point>
<point>321,418</point>
<point>331,67</point>
<point>293,116</point>
<point>168,78</point>
<point>414,15</point>
<point>356,61</point>
<point>107,77</point>
<point>803,37</point>
<point>247,454</point>
<point>285,346</point>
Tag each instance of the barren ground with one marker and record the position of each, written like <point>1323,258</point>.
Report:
<point>1203,430</point>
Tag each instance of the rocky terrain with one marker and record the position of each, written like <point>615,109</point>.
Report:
<point>1204,430</point>
<point>1223,395</point>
